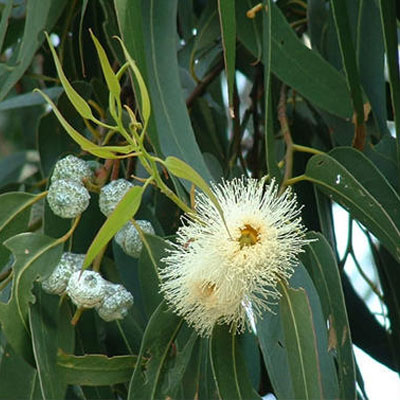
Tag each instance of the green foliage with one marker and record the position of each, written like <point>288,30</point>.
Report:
<point>173,95</point>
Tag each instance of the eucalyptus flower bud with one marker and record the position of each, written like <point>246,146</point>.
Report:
<point>72,168</point>
<point>111,194</point>
<point>129,239</point>
<point>57,282</point>
<point>86,288</point>
<point>68,198</point>
<point>117,301</point>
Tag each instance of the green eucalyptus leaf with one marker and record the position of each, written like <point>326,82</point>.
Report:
<point>18,379</point>
<point>85,144</point>
<point>14,217</point>
<point>229,369</point>
<point>309,73</point>
<point>349,178</point>
<point>294,343</point>
<point>226,9</point>
<point>29,99</point>
<point>125,210</point>
<point>390,29</point>
<point>95,369</point>
<point>144,95</point>
<point>321,265</point>
<point>347,48</point>
<point>37,20</point>
<point>149,264</point>
<point>35,256</point>
<point>182,170</point>
<point>75,98</point>
<point>111,78</point>
<point>50,329</point>
<point>300,340</point>
<point>147,379</point>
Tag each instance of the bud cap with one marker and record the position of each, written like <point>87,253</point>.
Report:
<point>116,303</point>
<point>86,288</point>
<point>68,198</point>
<point>57,282</point>
<point>72,168</point>
<point>129,239</point>
<point>111,194</point>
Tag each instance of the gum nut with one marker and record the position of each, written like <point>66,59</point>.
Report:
<point>129,239</point>
<point>72,168</point>
<point>116,303</point>
<point>68,198</point>
<point>57,282</point>
<point>86,288</point>
<point>111,194</point>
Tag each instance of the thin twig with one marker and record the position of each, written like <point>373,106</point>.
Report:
<point>282,117</point>
<point>202,86</point>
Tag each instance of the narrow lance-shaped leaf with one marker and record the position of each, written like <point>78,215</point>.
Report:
<point>4,22</point>
<point>95,369</point>
<point>49,325</point>
<point>85,144</point>
<point>353,181</point>
<point>321,265</point>
<point>19,380</point>
<point>37,19</point>
<point>182,170</point>
<point>309,74</point>
<point>301,343</point>
<point>124,211</point>
<point>229,370</point>
<point>145,106</point>
<point>80,104</point>
<point>147,380</point>
<point>349,58</point>
<point>389,24</point>
<point>14,217</point>
<point>272,165</point>
<point>226,9</point>
<point>111,78</point>
<point>35,256</point>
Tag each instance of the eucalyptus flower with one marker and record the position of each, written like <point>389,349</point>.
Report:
<point>219,270</point>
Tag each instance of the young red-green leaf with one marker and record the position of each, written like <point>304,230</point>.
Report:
<point>125,210</point>
<point>111,78</point>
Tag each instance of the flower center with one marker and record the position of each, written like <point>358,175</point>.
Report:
<point>248,236</point>
<point>208,289</point>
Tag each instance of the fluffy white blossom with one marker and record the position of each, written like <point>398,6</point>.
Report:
<point>214,273</point>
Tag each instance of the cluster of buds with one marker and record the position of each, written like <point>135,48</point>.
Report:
<point>88,289</point>
<point>68,196</point>
<point>127,237</point>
